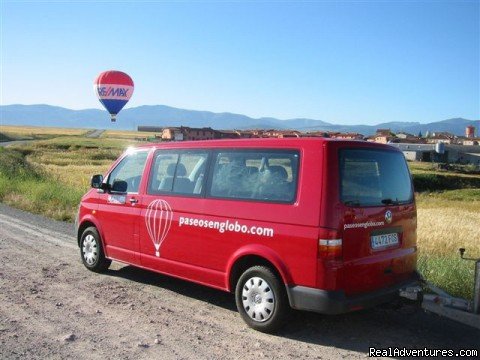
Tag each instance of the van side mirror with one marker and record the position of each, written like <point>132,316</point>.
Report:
<point>119,186</point>
<point>96,181</point>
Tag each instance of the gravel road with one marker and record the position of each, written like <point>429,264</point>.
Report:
<point>95,133</point>
<point>52,307</point>
<point>17,142</point>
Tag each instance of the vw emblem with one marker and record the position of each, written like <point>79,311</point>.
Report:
<point>388,216</point>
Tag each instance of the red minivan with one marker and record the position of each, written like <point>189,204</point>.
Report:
<point>307,223</point>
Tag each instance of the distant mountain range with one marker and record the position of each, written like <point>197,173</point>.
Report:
<point>162,116</point>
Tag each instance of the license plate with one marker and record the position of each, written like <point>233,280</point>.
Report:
<point>384,240</point>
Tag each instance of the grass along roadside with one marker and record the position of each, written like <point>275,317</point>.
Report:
<point>49,177</point>
<point>27,187</point>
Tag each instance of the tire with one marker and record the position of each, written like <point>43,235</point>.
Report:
<point>91,251</point>
<point>261,299</point>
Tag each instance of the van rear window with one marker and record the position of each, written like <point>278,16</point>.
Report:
<point>370,177</point>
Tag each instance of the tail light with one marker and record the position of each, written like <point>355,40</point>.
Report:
<point>329,244</point>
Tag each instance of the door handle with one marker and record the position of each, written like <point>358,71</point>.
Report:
<point>133,201</point>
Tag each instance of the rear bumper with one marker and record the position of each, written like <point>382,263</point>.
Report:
<point>336,302</point>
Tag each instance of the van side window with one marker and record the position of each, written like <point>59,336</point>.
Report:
<point>258,175</point>
<point>129,171</point>
<point>163,171</point>
<point>181,172</point>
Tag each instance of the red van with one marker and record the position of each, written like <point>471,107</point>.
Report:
<point>311,224</point>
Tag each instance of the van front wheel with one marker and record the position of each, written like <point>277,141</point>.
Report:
<point>91,251</point>
<point>261,299</point>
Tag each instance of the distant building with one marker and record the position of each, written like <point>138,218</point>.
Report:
<point>237,134</point>
<point>347,136</point>
<point>227,134</point>
<point>383,132</point>
<point>404,135</point>
<point>272,133</point>
<point>333,135</point>
<point>382,139</point>
<point>444,134</point>
<point>247,134</point>
<point>444,137</point>
<point>316,134</point>
<point>409,140</point>
<point>149,128</point>
<point>453,153</point>
<point>187,133</point>
<point>382,136</point>
<point>173,134</point>
<point>471,141</point>
<point>470,131</point>
<point>251,133</point>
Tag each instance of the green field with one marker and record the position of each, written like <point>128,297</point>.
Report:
<point>49,175</point>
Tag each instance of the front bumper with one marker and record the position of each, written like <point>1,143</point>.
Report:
<point>336,302</point>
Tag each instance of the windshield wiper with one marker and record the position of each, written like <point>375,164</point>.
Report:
<point>389,201</point>
<point>352,203</point>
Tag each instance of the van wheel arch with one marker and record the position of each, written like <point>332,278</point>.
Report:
<point>84,225</point>
<point>246,262</point>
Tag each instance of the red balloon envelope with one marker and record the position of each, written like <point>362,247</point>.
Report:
<point>113,89</point>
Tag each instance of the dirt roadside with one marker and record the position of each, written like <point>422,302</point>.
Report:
<point>52,307</point>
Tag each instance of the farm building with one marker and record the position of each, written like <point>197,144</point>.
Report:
<point>187,133</point>
<point>453,153</point>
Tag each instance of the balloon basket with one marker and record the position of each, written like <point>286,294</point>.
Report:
<point>157,253</point>
<point>113,118</point>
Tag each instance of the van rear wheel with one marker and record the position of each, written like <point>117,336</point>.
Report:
<point>261,299</point>
<point>91,251</point>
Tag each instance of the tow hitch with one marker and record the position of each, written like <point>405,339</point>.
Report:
<point>437,301</point>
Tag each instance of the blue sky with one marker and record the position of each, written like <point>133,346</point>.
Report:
<point>350,62</point>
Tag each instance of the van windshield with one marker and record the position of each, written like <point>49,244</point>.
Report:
<point>370,177</point>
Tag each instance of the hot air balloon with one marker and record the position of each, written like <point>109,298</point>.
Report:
<point>113,89</point>
<point>158,219</point>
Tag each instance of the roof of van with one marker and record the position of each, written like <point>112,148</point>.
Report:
<point>259,142</point>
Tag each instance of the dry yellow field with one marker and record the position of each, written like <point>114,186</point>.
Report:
<point>444,226</point>
<point>442,230</point>
<point>77,175</point>
<point>125,134</point>
<point>35,132</point>
<point>72,161</point>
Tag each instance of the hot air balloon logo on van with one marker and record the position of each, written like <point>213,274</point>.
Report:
<point>113,88</point>
<point>158,219</point>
